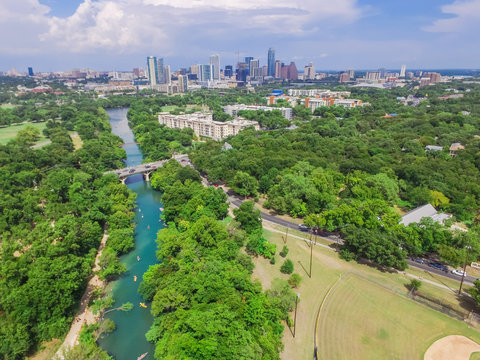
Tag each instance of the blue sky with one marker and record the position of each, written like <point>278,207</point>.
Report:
<point>335,35</point>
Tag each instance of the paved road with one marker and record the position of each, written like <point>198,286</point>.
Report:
<point>332,238</point>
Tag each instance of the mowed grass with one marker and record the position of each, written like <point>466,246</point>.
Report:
<point>362,320</point>
<point>327,268</point>
<point>8,133</point>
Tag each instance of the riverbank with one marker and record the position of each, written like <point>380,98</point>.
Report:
<point>84,314</point>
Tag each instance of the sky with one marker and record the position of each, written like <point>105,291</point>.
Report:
<point>55,35</point>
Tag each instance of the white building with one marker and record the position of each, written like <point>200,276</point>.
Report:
<point>204,125</point>
<point>215,63</point>
<point>318,92</point>
<point>234,109</point>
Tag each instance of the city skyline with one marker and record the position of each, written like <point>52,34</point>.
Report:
<point>363,34</point>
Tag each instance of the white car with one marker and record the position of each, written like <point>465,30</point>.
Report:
<point>459,272</point>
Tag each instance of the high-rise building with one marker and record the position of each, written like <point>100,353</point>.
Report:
<point>344,77</point>
<point>351,72</point>
<point>383,72</point>
<point>402,71</point>
<point>228,71</point>
<point>30,71</point>
<point>309,73</point>
<point>215,62</point>
<point>278,69</point>
<point>167,75</point>
<point>136,72</point>
<point>247,61</point>
<point>265,70</point>
<point>152,71</point>
<point>205,73</point>
<point>271,62</point>
<point>254,68</point>
<point>195,70</point>
<point>292,72</point>
<point>160,71</point>
<point>182,83</point>
<point>242,71</point>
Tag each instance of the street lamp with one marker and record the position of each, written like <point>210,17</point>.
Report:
<point>295,316</point>
<point>464,268</point>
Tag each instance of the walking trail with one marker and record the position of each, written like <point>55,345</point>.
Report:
<point>84,315</point>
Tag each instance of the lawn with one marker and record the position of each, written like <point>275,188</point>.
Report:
<point>327,268</point>
<point>8,133</point>
<point>363,320</point>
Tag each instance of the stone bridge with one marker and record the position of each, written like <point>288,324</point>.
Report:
<point>146,169</point>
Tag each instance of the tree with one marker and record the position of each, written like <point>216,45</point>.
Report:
<point>414,285</point>
<point>244,184</point>
<point>248,216</point>
<point>287,267</point>
<point>284,251</point>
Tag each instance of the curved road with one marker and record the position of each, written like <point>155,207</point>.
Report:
<point>235,201</point>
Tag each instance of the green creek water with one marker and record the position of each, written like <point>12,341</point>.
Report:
<point>128,341</point>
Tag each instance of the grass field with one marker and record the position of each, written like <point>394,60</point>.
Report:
<point>392,311</point>
<point>362,320</point>
<point>8,133</point>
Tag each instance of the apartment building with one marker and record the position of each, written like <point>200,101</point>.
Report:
<point>204,125</point>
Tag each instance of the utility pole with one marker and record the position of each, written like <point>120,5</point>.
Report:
<point>295,316</point>
<point>311,251</point>
<point>464,268</point>
<point>286,235</point>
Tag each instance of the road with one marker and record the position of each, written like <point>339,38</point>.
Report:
<point>234,200</point>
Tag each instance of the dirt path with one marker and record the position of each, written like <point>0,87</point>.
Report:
<point>453,347</point>
<point>84,315</point>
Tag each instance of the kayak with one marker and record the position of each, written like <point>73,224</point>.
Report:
<point>143,305</point>
<point>134,278</point>
<point>138,258</point>
<point>142,356</point>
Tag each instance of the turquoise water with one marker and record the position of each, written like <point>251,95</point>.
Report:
<point>128,341</point>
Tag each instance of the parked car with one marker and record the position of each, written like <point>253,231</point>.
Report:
<point>438,266</point>
<point>302,227</point>
<point>132,171</point>
<point>147,166</point>
<point>418,260</point>
<point>459,272</point>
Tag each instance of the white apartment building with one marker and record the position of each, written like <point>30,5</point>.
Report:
<point>318,92</point>
<point>234,109</point>
<point>204,125</point>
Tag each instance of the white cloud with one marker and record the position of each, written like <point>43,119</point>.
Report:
<point>466,15</point>
<point>129,26</point>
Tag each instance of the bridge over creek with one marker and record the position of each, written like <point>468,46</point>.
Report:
<point>146,169</point>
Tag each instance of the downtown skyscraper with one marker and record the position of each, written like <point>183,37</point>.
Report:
<point>215,62</point>
<point>271,62</point>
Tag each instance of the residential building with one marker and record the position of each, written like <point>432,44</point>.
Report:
<point>234,109</point>
<point>182,83</point>
<point>433,148</point>
<point>204,125</point>
<point>167,75</point>
<point>195,70</point>
<point>351,72</point>
<point>455,147</point>
<point>215,63</point>
<point>254,68</point>
<point>402,71</point>
<point>425,211</point>
<point>373,75</point>
<point>271,62</point>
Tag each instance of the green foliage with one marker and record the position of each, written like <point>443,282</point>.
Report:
<point>267,119</point>
<point>475,291</point>
<point>414,285</point>
<point>284,251</point>
<point>248,216</point>
<point>287,267</point>
<point>294,280</point>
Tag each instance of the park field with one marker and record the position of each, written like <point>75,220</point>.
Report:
<point>8,133</point>
<point>367,315</point>
<point>363,320</point>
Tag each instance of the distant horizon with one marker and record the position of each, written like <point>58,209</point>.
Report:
<point>55,34</point>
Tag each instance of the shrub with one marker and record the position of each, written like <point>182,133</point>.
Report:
<point>272,260</point>
<point>287,267</point>
<point>294,280</point>
<point>284,251</point>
